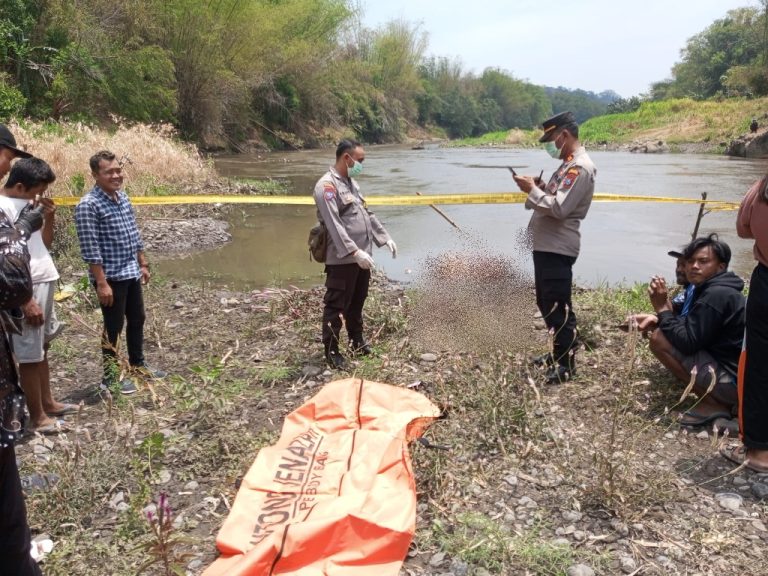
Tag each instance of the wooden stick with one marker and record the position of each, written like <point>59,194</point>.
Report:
<point>443,214</point>
<point>700,216</point>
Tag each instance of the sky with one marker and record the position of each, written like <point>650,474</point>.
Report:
<point>589,44</point>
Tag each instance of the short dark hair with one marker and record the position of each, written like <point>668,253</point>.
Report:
<point>573,129</point>
<point>345,146</point>
<point>719,248</point>
<point>98,157</point>
<point>30,172</point>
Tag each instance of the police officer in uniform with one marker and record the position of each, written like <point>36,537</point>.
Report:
<point>558,209</point>
<point>353,230</point>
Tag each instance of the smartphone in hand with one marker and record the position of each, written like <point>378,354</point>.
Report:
<point>512,170</point>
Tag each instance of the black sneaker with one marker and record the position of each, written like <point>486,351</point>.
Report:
<point>125,386</point>
<point>558,374</point>
<point>149,372</point>
<point>335,360</point>
<point>543,360</point>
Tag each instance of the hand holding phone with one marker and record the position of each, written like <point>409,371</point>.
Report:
<point>512,170</point>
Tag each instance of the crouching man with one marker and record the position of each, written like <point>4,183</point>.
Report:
<point>708,338</point>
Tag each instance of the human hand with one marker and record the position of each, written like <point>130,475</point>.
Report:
<point>659,293</point>
<point>47,205</point>
<point>33,314</point>
<point>145,274</point>
<point>525,183</point>
<point>104,292</point>
<point>364,260</point>
<point>644,322</point>
<point>392,248</point>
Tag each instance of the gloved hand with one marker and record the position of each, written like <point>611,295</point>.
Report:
<point>30,220</point>
<point>364,260</point>
<point>392,248</point>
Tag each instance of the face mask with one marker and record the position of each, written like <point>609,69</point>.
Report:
<point>355,169</point>
<point>552,149</point>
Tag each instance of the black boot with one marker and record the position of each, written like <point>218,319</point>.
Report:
<point>543,360</point>
<point>558,374</point>
<point>358,345</point>
<point>334,358</point>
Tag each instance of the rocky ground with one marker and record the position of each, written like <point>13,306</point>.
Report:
<point>592,477</point>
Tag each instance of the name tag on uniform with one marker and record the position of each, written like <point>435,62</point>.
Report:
<point>346,197</point>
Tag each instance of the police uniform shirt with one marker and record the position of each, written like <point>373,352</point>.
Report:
<point>562,205</point>
<point>349,222</point>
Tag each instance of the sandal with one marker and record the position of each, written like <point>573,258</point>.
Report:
<point>67,409</point>
<point>738,455</point>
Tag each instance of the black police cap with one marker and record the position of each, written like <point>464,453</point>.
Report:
<point>561,120</point>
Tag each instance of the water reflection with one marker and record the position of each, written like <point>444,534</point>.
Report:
<point>621,242</point>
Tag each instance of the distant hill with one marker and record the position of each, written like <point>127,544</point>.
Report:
<point>584,104</point>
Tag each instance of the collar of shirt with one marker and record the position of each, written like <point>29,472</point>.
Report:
<point>99,192</point>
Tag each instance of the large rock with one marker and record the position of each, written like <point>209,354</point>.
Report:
<point>649,147</point>
<point>749,145</point>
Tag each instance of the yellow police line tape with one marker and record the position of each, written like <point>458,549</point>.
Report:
<point>426,200</point>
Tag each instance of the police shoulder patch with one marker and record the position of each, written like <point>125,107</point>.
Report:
<point>570,178</point>
<point>329,191</point>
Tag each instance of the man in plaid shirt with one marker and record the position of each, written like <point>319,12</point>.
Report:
<point>111,245</point>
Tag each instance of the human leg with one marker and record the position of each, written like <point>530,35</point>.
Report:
<point>30,378</point>
<point>668,356</point>
<point>715,386</point>
<point>753,400</point>
<point>353,315</point>
<point>29,348</point>
<point>114,319</point>
<point>15,559</point>
<point>554,274</point>
<point>134,326</point>
<point>338,281</point>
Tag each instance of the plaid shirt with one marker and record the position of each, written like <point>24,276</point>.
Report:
<point>108,234</point>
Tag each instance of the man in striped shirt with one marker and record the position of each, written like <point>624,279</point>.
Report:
<point>111,245</point>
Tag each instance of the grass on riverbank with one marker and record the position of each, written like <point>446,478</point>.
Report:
<point>514,138</point>
<point>535,478</point>
<point>677,122</point>
<point>155,159</point>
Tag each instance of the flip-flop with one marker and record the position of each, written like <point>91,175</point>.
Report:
<point>55,428</point>
<point>696,420</point>
<point>738,455</point>
<point>67,409</point>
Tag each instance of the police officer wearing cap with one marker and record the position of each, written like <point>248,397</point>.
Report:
<point>353,230</point>
<point>558,207</point>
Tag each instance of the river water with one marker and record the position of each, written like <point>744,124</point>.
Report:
<point>621,242</point>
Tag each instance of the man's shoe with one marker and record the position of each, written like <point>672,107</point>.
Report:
<point>335,360</point>
<point>558,374</point>
<point>149,372</point>
<point>125,386</point>
<point>361,347</point>
<point>543,360</point>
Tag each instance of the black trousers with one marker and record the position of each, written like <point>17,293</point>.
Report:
<point>753,388</point>
<point>127,309</point>
<point>14,530</point>
<point>346,290</point>
<point>553,274</point>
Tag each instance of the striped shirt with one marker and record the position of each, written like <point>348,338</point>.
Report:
<point>108,234</point>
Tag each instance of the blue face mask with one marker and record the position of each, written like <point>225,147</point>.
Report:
<point>355,170</point>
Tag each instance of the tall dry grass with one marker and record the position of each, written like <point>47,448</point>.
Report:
<point>158,162</point>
